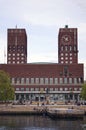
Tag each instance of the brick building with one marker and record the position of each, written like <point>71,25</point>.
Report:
<point>16,46</point>
<point>35,81</point>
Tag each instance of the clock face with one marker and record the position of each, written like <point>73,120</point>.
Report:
<point>66,39</point>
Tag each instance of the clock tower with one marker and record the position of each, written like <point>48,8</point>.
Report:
<point>67,46</point>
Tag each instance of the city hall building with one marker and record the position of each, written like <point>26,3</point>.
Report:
<point>34,81</point>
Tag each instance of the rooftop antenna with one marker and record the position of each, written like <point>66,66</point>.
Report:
<point>66,26</point>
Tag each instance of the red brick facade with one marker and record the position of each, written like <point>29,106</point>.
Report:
<point>34,81</point>
<point>67,46</point>
<point>17,46</point>
<point>66,80</point>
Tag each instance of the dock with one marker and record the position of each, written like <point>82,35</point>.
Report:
<point>54,112</point>
<point>59,113</point>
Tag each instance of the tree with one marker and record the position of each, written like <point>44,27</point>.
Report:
<point>83,92</point>
<point>6,89</point>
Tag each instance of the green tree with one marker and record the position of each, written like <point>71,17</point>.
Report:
<point>6,89</point>
<point>83,92</point>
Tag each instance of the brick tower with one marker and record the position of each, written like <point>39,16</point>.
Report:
<point>67,46</point>
<point>16,46</point>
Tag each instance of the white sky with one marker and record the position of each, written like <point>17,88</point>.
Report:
<point>42,20</point>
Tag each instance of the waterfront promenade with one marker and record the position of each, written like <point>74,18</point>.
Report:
<point>70,110</point>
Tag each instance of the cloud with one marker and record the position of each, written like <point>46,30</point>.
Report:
<point>50,57</point>
<point>45,12</point>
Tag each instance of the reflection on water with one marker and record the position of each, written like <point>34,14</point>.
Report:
<point>38,123</point>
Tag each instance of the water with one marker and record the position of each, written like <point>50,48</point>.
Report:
<point>38,123</point>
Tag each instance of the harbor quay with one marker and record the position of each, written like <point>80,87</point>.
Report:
<point>53,111</point>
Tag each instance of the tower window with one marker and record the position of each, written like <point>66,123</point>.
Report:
<point>61,54</point>
<point>66,62</point>
<point>62,62</point>
<point>66,48</point>
<point>70,62</point>
<point>70,54</point>
<point>61,58</point>
<point>61,48</point>
<point>70,48</point>
<point>66,54</point>
<point>70,58</point>
<point>66,58</point>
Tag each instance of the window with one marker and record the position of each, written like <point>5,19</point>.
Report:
<point>9,58</point>
<point>61,54</point>
<point>36,89</point>
<point>22,89</point>
<point>75,80</point>
<point>17,58</point>
<point>70,62</point>
<point>80,89</point>
<point>18,54</point>
<point>22,54</point>
<point>70,54</point>
<point>22,58</point>
<point>70,80</point>
<point>37,80</point>
<point>32,80</point>
<point>13,62</point>
<point>70,58</point>
<point>75,89</point>
<point>51,89</point>
<point>27,81</point>
<point>22,62</point>
<point>66,58</point>
<point>18,81</point>
<point>32,89</point>
<point>18,62</point>
<point>56,80</point>
<point>41,81</point>
<point>56,89</point>
<point>13,80</point>
<point>70,48</point>
<point>61,48</point>
<point>79,80</point>
<point>17,89</point>
<point>51,80</point>
<point>9,54</point>
<point>22,80</point>
<point>9,62</point>
<point>66,48</point>
<point>61,58</point>
<point>13,54</point>
<point>46,80</point>
<point>60,80</point>
<point>61,89</point>
<point>13,58</point>
<point>66,54</point>
<point>74,48</point>
<point>66,89</point>
<point>66,62</point>
<point>27,89</point>
<point>65,80</point>
<point>62,62</point>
